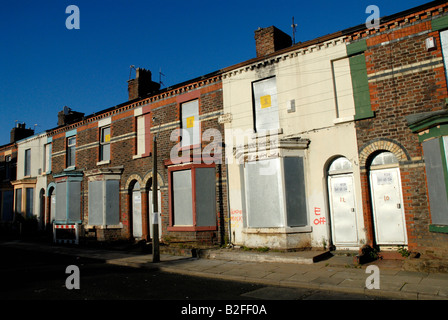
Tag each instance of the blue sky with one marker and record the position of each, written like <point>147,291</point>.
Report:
<point>44,66</point>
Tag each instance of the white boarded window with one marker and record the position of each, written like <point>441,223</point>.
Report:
<point>71,151</point>
<point>47,157</point>
<point>27,171</point>
<point>193,196</point>
<point>182,198</point>
<point>140,135</point>
<point>444,42</point>
<point>265,105</point>
<point>190,123</point>
<point>342,82</point>
<point>104,203</point>
<point>275,193</point>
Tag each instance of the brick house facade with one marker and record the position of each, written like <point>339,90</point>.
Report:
<point>400,74</point>
<point>102,165</point>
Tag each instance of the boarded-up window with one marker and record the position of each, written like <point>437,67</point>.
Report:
<point>95,203</point>
<point>265,105</point>
<point>18,206</point>
<point>342,81</point>
<point>444,41</point>
<point>275,193</point>
<point>61,201</point>
<point>68,200</point>
<point>105,144</point>
<point>296,213</point>
<point>27,171</point>
<point>140,135</point>
<point>74,200</point>
<point>47,158</point>
<point>193,196</point>
<point>437,188</point>
<point>182,198</point>
<point>104,202</point>
<point>205,197</point>
<point>264,194</point>
<point>190,123</point>
<point>29,202</point>
<point>71,151</point>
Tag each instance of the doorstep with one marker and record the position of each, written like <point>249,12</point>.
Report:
<point>298,257</point>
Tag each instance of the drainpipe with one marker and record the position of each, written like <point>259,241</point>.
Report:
<point>155,224</point>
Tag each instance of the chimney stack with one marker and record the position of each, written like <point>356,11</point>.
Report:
<point>19,132</point>
<point>270,39</point>
<point>67,116</point>
<point>142,85</point>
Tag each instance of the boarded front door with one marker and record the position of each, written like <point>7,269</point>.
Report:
<point>136,212</point>
<point>52,206</point>
<point>343,213</point>
<point>151,212</point>
<point>387,203</point>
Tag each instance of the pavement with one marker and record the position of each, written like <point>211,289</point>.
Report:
<point>320,270</point>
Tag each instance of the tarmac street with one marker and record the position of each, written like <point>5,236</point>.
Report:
<point>337,273</point>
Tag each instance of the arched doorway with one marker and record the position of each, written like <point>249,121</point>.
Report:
<point>344,231</point>
<point>136,197</point>
<point>387,200</point>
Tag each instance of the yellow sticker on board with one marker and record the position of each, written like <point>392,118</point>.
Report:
<point>107,138</point>
<point>190,122</point>
<point>265,101</point>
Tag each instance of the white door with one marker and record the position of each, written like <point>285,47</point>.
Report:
<point>387,203</point>
<point>342,207</point>
<point>151,212</point>
<point>137,213</point>
<point>52,206</point>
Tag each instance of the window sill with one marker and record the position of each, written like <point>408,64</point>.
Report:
<point>139,156</point>
<point>304,229</point>
<point>191,228</point>
<point>438,228</point>
<point>343,120</point>
<point>115,226</point>
<point>266,132</point>
<point>103,162</point>
<point>70,168</point>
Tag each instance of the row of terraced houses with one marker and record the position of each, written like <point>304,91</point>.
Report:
<point>338,142</point>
